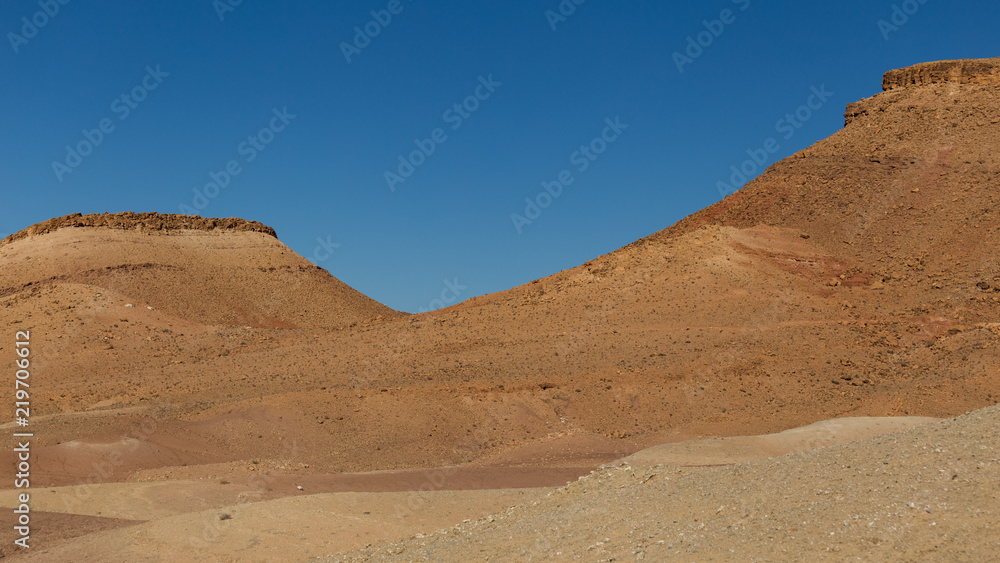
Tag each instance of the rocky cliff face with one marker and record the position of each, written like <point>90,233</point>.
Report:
<point>898,85</point>
<point>142,221</point>
<point>966,71</point>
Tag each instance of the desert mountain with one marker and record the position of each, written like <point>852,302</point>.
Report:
<point>208,271</point>
<point>852,279</point>
<point>905,194</point>
<point>857,278</point>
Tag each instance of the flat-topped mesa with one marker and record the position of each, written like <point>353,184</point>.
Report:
<point>144,221</point>
<point>964,71</point>
<point>899,83</point>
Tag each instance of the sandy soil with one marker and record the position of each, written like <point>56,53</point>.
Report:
<point>743,449</point>
<point>279,516</point>
<point>928,493</point>
<point>288,529</point>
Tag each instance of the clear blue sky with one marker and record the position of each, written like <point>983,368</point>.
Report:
<point>543,93</point>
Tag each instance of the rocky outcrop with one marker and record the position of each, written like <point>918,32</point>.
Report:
<point>965,71</point>
<point>895,83</point>
<point>143,221</point>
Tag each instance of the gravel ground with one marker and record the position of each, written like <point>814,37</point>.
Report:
<point>929,493</point>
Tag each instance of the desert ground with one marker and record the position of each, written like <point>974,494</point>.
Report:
<point>806,369</point>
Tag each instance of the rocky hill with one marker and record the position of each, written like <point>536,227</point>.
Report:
<point>141,221</point>
<point>967,71</point>
<point>207,271</point>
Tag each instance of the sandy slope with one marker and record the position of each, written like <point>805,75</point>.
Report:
<point>742,449</point>
<point>928,493</point>
<point>316,523</point>
<point>289,529</point>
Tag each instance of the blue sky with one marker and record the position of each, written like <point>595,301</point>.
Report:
<point>309,116</point>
